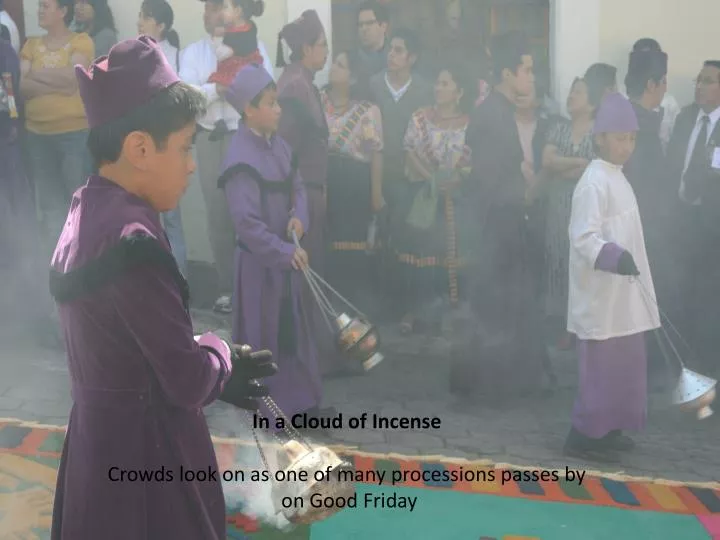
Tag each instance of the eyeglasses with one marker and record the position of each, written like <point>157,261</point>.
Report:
<point>706,81</point>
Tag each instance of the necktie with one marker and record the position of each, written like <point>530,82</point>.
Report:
<point>697,168</point>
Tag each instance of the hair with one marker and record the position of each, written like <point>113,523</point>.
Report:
<point>360,90</point>
<point>636,80</point>
<point>250,8</point>
<point>646,44</point>
<point>599,78</point>
<point>2,4</point>
<point>166,113</point>
<point>410,38</point>
<point>70,10</point>
<point>464,82</point>
<point>506,52</point>
<point>255,102</point>
<point>296,55</point>
<point>712,63</point>
<point>163,14</point>
<point>103,16</point>
<point>381,12</point>
<point>5,32</point>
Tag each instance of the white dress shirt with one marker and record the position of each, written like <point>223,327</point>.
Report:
<point>197,62</point>
<point>6,20</point>
<point>714,117</point>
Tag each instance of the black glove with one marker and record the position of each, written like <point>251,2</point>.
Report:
<point>242,390</point>
<point>626,265</point>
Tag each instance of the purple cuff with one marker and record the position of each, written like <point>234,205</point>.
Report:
<point>608,258</point>
<point>220,350</point>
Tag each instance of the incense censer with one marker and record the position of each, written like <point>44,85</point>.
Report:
<point>315,462</point>
<point>359,340</point>
<point>298,482</point>
<point>695,393</point>
<point>354,335</point>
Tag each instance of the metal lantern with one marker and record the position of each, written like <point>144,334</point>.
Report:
<point>297,458</point>
<point>354,335</point>
<point>358,339</point>
<point>296,455</point>
<point>695,392</point>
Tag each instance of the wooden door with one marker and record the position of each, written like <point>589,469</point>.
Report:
<point>17,13</point>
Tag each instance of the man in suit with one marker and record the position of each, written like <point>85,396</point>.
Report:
<point>695,140</point>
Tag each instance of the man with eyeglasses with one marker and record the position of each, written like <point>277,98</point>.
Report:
<point>373,21</point>
<point>694,157</point>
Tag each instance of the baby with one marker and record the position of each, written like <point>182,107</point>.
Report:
<point>236,45</point>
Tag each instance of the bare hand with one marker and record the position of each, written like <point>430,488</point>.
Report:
<point>295,225</point>
<point>300,259</point>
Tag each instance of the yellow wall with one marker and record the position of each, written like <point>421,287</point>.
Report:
<point>686,29</point>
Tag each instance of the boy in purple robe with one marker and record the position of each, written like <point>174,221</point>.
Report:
<point>267,201</point>
<point>612,298</point>
<point>139,376</point>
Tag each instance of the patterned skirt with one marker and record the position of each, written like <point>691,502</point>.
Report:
<point>428,260</point>
<point>348,218</point>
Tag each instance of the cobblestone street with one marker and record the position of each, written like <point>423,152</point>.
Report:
<point>412,381</point>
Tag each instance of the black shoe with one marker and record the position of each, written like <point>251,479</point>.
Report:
<point>615,440</point>
<point>579,446</point>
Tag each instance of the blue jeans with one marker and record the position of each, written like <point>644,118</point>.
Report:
<point>172,221</point>
<point>59,165</point>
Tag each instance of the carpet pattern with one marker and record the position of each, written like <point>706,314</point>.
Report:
<point>604,506</point>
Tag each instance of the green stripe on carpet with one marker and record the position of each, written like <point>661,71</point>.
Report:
<point>448,515</point>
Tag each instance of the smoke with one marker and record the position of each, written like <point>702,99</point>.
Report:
<point>260,499</point>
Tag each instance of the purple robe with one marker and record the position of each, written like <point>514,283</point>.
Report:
<point>139,382</point>
<point>613,375</point>
<point>268,308</point>
<point>304,126</point>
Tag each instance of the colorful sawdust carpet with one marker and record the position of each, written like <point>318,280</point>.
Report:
<point>602,507</point>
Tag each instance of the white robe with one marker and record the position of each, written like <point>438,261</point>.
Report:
<point>603,305</point>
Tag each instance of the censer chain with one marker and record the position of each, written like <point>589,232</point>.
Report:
<point>316,277</point>
<point>341,297</point>
<point>648,300</point>
<point>290,431</point>
<point>322,301</point>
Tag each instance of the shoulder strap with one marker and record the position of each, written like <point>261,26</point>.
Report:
<point>346,132</point>
<point>129,253</point>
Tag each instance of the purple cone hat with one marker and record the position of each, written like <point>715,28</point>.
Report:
<point>129,76</point>
<point>248,83</point>
<point>615,115</point>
